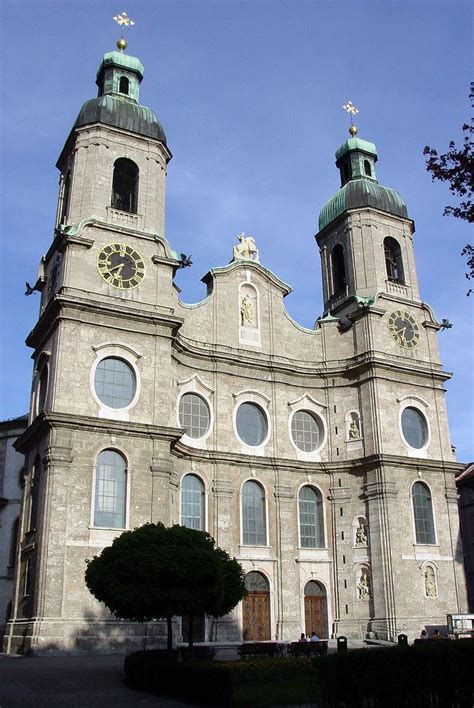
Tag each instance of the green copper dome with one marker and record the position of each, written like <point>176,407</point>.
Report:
<point>356,160</point>
<point>123,114</point>
<point>362,193</point>
<point>120,59</point>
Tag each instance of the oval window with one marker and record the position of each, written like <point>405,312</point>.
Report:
<point>306,431</point>
<point>251,424</point>
<point>194,415</point>
<point>115,382</point>
<point>414,428</point>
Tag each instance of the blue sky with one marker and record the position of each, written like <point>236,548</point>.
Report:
<point>250,96</point>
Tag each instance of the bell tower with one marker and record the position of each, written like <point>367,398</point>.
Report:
<point>365,235</point>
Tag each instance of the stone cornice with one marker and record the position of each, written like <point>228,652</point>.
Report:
<point>66,305</point>
<point>47,421</point>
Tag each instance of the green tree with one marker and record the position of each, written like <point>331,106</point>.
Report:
<point>456,168</point>
<point>157,572</point>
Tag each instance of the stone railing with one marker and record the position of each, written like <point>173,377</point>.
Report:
<point>124,218</point>
<point>396,288</point>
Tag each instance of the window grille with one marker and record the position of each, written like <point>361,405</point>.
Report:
<point>110,489</point>
<point>254,532</point>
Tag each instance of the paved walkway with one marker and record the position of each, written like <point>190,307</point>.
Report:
<point>79,681</point>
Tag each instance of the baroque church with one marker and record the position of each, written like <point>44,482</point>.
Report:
<point>319,458</point>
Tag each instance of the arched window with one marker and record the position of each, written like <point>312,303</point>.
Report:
<point>65,199</point>
<point>192,502</point>
<point>42,389</point>
<point>254,527</point>
<point>346,172</point>
<point>256,582</point>
<point>125,185</point>
<point>35,481</point>
<point>124,85</point>
<point>251,423</point>
<point>110,490</point>
<point>13,544</point>
<point>367,168</point>
<point>393,261</point>
<point>338,270</point>
<point>423,514</point>
<point>311,518</point>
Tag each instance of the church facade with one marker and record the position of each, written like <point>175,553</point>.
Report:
<point>319,458</point>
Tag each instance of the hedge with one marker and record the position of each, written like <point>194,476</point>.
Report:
<point>439,673</point>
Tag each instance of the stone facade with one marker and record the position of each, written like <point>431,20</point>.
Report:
<point>360,565</point>
<point>11,469</point>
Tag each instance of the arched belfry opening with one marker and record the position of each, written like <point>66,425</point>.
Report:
<point>125,185</point>
<point>338,270</point>
<point>393,261</point>
<point>124,85</point>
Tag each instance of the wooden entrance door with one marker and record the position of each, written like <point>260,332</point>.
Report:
<point>199,624</point>
<point>315,609</point>
<point>256,616</point>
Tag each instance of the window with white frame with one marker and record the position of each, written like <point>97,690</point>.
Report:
<point>307,431</point>
<point>194,416</point>
<point>311,518</point>
<point>414,427</point>
<point>254,527</point>
<point>251,423</point>
<point>192,502</point>
<point>423,514</point>
<point>115,382</point>
<point>110,490</point>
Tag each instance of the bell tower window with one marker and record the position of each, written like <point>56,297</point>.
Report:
<point>125,185</point>
<point>367,168</point>
<point>65,199</point>
<point>393,261</point>
<point>338,269</point>
<point>124,85</point>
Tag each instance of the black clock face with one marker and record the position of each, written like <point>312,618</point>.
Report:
<point>403,329</point>
<point>121,266</point>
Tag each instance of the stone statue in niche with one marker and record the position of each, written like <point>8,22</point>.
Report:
<point>354,432</point>
<point>246,311</point>
<point>364,586</point>
<point>246,249</point>
<point>430,584</point>
<point>361,535</point>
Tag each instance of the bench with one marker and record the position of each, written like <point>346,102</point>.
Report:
<point>308,648</point>
<point>259,649</point>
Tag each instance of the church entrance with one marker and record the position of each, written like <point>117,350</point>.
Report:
<point>256,608</point>
<point>199,626</point>
<point>315,609</point>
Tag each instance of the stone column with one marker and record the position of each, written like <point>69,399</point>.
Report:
<point>287,590</point>
<point>341,522</point>
<point>226,628</point>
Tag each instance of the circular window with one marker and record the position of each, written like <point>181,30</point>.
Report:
<point>306,431</point>
<point>115,382</point>
<point>251,424</point>
<point>193,415</point>
<point>414,428</point>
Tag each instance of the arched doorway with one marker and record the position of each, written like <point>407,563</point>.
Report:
<point>256,608</point>
<point>315,609</point>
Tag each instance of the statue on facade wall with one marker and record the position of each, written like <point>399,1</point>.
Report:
<point>361,535</point>
<point>246,249</point>
<point>246,311</point>
<point>354,432</point>
<point>364,586</point>
<point>430,583</point>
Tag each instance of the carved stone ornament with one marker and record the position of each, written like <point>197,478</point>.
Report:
<point>364,586</point>
<point>430,582</point>
<point>246,311</point>
<point>246,249</point>
<point>354,432</point>
<point>361,535</point>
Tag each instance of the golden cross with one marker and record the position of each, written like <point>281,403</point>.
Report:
<point>123,20</point>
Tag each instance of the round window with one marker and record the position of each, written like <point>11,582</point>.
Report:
<point>306,431</point>
<point>414,428</point>
<point>193,415</point>
<point>252,424</point>
<point>115,382</point>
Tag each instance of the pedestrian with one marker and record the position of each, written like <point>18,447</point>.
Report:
<point>424,634</point>
<point>314,637</point>
<point>302,638</point>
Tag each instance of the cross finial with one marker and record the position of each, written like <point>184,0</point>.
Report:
<point>124,21</point>
<point>352,110</point>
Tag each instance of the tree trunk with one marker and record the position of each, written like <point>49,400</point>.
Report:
<point>170,633</point>
<point>191,635</point>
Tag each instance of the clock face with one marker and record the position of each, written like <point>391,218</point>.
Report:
<point>403,329</point>
<point>121,266</point>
